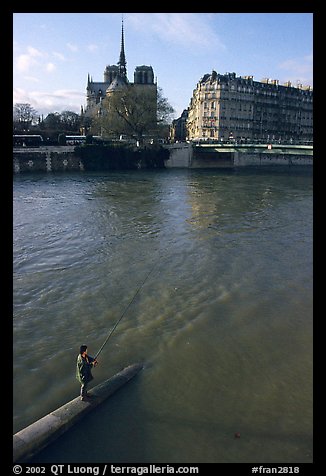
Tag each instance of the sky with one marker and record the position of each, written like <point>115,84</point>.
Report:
<point>54,52</point>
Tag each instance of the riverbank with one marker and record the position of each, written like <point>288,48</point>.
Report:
<point>180,155</point>
<point>218,155</point>
<point>87,158</point>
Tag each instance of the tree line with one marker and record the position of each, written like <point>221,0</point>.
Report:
<point>26,120</point>
<point>127,112</point>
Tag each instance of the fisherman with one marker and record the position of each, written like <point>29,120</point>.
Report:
<point>83,371</point>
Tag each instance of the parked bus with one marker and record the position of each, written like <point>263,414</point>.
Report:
<point>27,140</point>
<point>75,140</point>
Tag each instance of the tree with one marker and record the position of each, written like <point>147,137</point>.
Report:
<point>70,121</point>
<point>164,109</point>
<point>23,116</point>
<point>55,123</point>
<point>133,111</point>
<point>52,121</point>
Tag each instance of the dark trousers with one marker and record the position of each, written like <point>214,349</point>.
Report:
<point>83,389</point>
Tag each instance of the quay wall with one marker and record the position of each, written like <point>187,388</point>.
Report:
<point>32,439</point>
<point>183,155</point>
<point>46,159</point>
<point>89,158</point>
<point>231,156</point>
<point>260,159</point>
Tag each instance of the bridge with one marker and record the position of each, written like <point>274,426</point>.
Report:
<point>219,155</point>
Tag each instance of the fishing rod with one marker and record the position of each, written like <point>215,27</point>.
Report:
<point>124,312</point>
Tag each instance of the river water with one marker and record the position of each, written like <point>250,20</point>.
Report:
<point>223,323</point>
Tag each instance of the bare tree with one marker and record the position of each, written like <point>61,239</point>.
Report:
<point>23,115</point>
<point>70,121</point>
<point>133,111</point>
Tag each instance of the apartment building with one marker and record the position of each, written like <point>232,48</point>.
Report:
<point>225,107</point>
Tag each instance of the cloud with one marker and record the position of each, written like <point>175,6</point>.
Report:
<point>48,102</point>
<point>72,47</point>
<point>24,62</point>
<point>34,61</point>
<point>27,60</point>
<point>59,56</point>
<point>32,79</point>
<point>188,30</point>
<point>50,67</point>
<point>92,47</point>
<point>299,69</point>
<point>34,52</point>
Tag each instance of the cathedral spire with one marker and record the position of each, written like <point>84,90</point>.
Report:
<point>122,60</point>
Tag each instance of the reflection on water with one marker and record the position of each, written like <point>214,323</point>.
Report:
<point>223,323</point>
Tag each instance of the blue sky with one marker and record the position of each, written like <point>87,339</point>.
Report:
<point>54,52</point>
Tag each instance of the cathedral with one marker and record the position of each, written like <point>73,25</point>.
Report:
<point>115,77</point>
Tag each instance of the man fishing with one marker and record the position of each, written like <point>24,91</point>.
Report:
<point>83,371</point>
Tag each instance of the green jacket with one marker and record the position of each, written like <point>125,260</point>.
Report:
<point>83,369</point>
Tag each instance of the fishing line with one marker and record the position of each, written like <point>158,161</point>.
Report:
<point>124,312</point>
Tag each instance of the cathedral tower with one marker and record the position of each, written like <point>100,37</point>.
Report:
<point>115,77</point>
<point>122,59</point>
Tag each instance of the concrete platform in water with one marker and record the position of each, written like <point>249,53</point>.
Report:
<point>38,435</point>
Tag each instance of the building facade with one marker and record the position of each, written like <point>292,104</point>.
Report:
<point>226,107</point>
<point>178,128</point>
